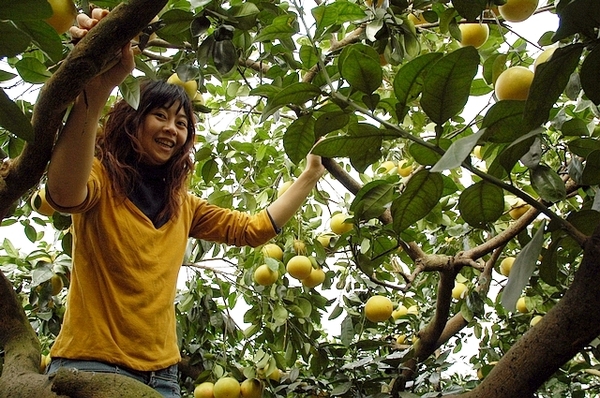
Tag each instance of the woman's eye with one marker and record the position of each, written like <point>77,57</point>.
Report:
<point>182,124</point>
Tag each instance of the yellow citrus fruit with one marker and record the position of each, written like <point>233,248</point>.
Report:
<point>474,34</point>
<point>534,321</point>
<point>265,276</point>
<point>57,284</point>
<point>299,267</point>
<point>514,83</point>
<point>198,98</point>
<point>459,291</point>
<point>518,10</point>
<point>272,250</point>
<point>324,240</point>
<point>227,387</point>
<point>337,224</point>
<point>40,204</point>
<point>506,265</point>
<point>417,19</point>
<point>284,187</point>
<point>522,305</point>
<point>204,390</point>
<point>315,278</point>
<point>477,152</point>
<point>401,339</point>
<point>517,212</point>
<point>190,86</point>
<point>405,171</point>
<point>386,166</point>
<point>378,308</point>
<point>413,310</point>
<point>63,15</point>
<point>399,312</point>
<point>299,246</point>
<point>251,388</point>
<point>543,57</point>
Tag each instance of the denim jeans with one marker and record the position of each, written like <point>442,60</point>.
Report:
<point>164,380</point>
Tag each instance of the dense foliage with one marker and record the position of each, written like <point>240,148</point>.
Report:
<point>371,85</point>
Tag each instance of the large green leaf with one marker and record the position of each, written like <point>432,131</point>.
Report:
<point>283,26</point>
<point>547,183</point>
<point>364,73</point>
<point>504,163</point>
<point>422,193</point>
<point>294,94</point>
<point>504,121</point>
<point>549,82</point>
<point>522,269</point>
<point>427,156</point>
<point>409,79</point>
<point>447,85</point>
<point>331,121</point>
<point>591,171</point>
<point>457,153</point>
<point>130,89</point>
<point>25,10</point>
<point>578,16</point>
<point>590,83</point>
<point>362,145</point>
<point>177,26</point>
<point>372,200</point>
<point>32,70</point>
<point>44,37</point>
<point>14,41</point>
<point>481,203</point>
<point>13,120</point>
<point>470,9</point>
<point>584,146</point>
<point>299,138</point>
<point>336,13</point>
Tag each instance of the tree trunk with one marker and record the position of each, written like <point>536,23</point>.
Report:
<point>563,332</point>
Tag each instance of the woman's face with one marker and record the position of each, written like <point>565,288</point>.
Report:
<point>162,132</point>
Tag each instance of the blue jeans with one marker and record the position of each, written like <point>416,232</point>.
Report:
<point>164,380</point>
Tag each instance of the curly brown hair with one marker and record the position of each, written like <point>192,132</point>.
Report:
<point>120,151</point>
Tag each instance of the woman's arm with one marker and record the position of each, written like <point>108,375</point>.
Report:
<point>73,154</point>
<point>288,204</point>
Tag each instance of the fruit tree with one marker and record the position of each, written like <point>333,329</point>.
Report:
<point>423,196</point>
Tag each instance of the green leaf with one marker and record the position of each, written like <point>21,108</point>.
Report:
<point>299,138</point>
<point>504,121</point>
<point>32,70</point>
<point>309,56</point>
<point>470,9</point>
<point>549,82</point>
<point>522,269</point>
<point>44,37</point>
<point>362,72</point>
<point>372,200</point>
<point>13,42</point>
<point>481,203</point>
<point>547,183</point>
<point>177,26</point>
<point>584,146</point>
<point>504,163</point>
<point>447,85</point>
<point>408,81</point>
<point>347,331</point>
<point>331,121</point>
<point>426,156</point>
<point>578,16</point>
<point>283,26</point>
<point>296,94</point>
<point>574,128</point>
<point>589,75</point>
<point>422,193</point>
<point>457,153</point>
<point>4,76</point>
<point>130,89</point>
<point>362,145</point>
<point>591,171</point>
<point>209,170</point>
<point>224,56</point>
<point>335,13</point>
<point>25,10</point>
<point>13,119</point>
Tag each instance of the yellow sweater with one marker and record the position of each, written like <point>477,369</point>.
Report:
<point>120,306</point>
